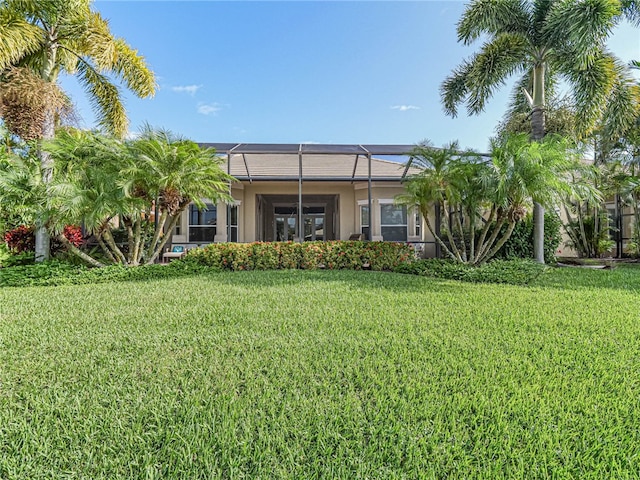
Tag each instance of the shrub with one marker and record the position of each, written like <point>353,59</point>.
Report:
<point>515,272</point>
<point>21,239</point>
<point>4,254</point>
<point>520,244</point>
<point>264,257</point>
<point>335,255</point>
<point>289,255</point>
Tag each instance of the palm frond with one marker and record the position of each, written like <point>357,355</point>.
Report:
<point>88,35</point>
<point>105,99</point>
<point>455,88</point>
<point>631,11</point>
<point>583,25</point>
<point>493,18</point>
<point>623,104</point>
<point>491,67</point>
<point>591,88</point>
<point>132,68</point>
<point>18,38</point>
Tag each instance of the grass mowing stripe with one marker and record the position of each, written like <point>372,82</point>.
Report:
<point>321,374</point>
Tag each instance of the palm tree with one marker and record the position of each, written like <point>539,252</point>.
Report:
<point>493,193</point>
<point>39,41</point>
<point>99,179</point>
<point>443,183</point>
<point>543,41</point>
<point>174,172</point>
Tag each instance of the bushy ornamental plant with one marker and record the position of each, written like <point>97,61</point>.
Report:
<point>520,244</point>
<point>335,255</point>
<point>20,239</point>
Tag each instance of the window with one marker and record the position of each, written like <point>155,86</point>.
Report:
<point>364,221</point>
<point>202,223</point>
<point>233,223</point>
<point>417,223</point>
<point>393,222</point>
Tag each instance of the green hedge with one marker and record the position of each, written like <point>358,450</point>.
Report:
<point>520,244</point>
<point>515,272</point>
<point>336,255</point>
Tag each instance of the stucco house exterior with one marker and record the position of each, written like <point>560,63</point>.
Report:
<point>303,192</point>
<point>291,192</point>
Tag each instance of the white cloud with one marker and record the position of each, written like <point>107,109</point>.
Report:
<point>404,108</point>
<point>209,108</point>
<point>190,89</point>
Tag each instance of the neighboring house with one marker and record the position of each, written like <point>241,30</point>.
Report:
<point>308,192</point>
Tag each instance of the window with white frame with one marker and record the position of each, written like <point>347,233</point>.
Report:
<point>364,221</point>
<point>417,218</point>
<point>393,222</point>
<point>202,223</point>
<point>233,223</point>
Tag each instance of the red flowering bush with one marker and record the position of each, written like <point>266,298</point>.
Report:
<point>73,233</point>
<point>20,239</point>
<point>23,239</point>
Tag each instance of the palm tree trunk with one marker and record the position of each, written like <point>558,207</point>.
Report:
<point>106,249</point>
<point>537,134</point>
<point>137,242</point>
<point>172,223</point>
<point>485,230</point>
<point>472,239</point>
<point>454,247</point>
<point>461,232</point>
<point>79,253</point>
<point>484,249</point>
<point>500,243</point>
<point>443,245</point>
<point>157,233</point>
<point>128,223</point>
<point>108,238</point>
<point>43,240</point>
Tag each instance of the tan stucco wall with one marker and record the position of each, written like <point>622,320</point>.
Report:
<point>247,211</point>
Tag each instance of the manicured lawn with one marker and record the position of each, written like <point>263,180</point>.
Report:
<point>294,374</point>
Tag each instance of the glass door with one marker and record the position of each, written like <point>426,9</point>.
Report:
<point>285,228</point>
<point>313,227</point>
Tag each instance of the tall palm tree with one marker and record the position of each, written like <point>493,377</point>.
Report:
<point>47,38</point>
<point>543,41</point>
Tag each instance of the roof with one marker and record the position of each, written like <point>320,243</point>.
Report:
<point>314,162</point>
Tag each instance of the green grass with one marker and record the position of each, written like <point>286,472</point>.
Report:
<point>297,374</point>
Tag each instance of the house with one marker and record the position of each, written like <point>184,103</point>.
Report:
<point>291,192</point>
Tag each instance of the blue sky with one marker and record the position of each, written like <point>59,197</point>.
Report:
<point>303,71</point>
